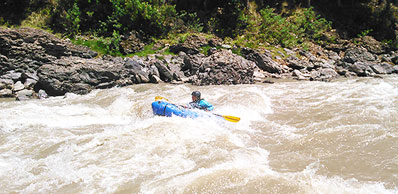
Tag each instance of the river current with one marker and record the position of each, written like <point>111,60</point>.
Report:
<point>293,137</point>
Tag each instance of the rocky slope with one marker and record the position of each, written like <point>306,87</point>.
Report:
<point>34,63</point>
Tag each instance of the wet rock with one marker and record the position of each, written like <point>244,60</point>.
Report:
<point>300,75</point>
<point>18,86</point>
<point>372,45</point>
<point>192,63</point>
<point>30,83</point>
<point>6,93</point>
<point>137,70</point>
<point>382,68</point>
<point>224,67</point>
<point>361,69</point>
<point>24,95</point>
<point>15,76</point>
<point>263,61</point>
<point>28,49</point>
<point>79,76</point>
<point>308,55</point>
<point>333,55</point>
<point>155,79</point>
<point>296,63</point>
<point>164,71</point>
<point>324,74</point>
<point>6,84</point>
<point>42,94</point>
<point>353,55</point>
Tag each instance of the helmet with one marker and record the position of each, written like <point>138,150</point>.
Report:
<point>196,93</point>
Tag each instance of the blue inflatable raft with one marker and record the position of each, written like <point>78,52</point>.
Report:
<point>167,109</point>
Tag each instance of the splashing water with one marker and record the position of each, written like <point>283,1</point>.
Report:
<point>293,137</point>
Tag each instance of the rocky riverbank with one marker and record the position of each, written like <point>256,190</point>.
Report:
<point>36,64</point>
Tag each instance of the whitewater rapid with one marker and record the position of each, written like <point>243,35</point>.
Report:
<point>293,137</point>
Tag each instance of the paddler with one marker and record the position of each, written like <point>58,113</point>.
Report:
<point>199,103</point>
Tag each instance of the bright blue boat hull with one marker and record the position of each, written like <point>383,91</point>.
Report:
<point>162,108</point>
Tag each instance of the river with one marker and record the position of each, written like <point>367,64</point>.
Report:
<point>293,137</point>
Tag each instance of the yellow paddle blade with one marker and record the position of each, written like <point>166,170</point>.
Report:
<point>157,98</point>
<point>231,118</point>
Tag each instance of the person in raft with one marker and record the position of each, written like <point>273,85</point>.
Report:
<point>199,103</point>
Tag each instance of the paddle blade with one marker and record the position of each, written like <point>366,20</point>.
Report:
<point>157,98</point>
<point>231,118</point>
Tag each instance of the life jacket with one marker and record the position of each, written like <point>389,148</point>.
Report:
<point>201,104</point>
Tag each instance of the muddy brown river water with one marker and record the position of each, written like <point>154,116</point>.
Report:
<point>293,137</point>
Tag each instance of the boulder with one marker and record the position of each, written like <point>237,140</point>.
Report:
<point>6,84</point>
<point>353,55</point>
<point>136,70</point>
<point>42,94</point>
<point>165,73</point>
<point>395,69</point>
<point>192,63</point>
<point>372,45</point>
<point>30,83</point>
<point>263,61</point>
<point>300,75</point>
<point>79,75</point>
<point>324,74</point>
<point>296,63</point>
<point>15,76</point>
<point>382,68</point>
<point>28,49</point>
<point>6,93</point>
<point>18,86</point>
<point>224,67</point>
<point>24,95</point>
<point>361,69</point>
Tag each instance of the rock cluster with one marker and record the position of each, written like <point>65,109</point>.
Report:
<point>35,64</point>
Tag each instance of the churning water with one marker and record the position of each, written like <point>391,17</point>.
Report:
<point>293,137</point>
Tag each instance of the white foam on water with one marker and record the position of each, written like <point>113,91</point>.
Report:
<point>109,142</point>
<point>312,182</point>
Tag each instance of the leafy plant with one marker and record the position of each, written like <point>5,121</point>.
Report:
<point>73,20</point>
<point>364,33</point>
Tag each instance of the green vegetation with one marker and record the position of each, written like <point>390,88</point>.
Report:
<point>103,24</point>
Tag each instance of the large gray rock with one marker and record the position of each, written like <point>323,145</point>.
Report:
<point>324,74</point>
<point>353,55</point>
<point>361,69</point>
<point>164,71</point>
<point>6,84</point>
<point>382,68</point>
<point>263,61</point>
<point>77,75</point>
<point>6,93</point>
<point>224,67</point>
<point>192,63</point>
<point>296,63</point>
<point>18,86</point>
<point>24,95</point>
<point>15,76</point>
<point>372,45</point>
<point>27,49</point>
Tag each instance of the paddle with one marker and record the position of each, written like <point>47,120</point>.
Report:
<point>226,117</point>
